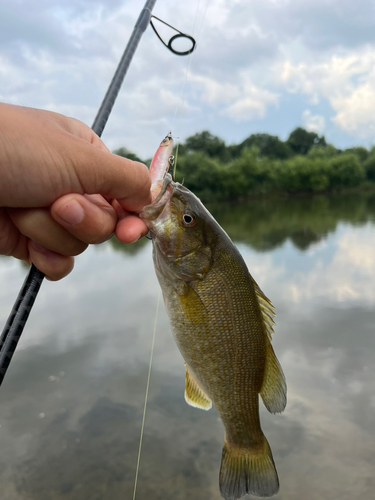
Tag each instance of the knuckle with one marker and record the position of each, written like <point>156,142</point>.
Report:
<point>75,248</point>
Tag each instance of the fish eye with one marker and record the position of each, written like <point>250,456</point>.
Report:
<point>188,219</point>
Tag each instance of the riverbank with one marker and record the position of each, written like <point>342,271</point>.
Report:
<point>263,165</point>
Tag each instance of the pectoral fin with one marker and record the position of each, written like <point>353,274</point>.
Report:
<point>273,389</point>
<point>194,394</point>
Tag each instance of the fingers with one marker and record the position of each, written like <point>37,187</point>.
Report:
<point>38,225</point>
<point>49,238</point>
<point>130,228</point>
<point>53,265</point>
<point>45,155</point>
<point>49,245</point>
<point>9,235</point>
<point>12,242</point>
<point>89,218</point>
<point>73,222</point>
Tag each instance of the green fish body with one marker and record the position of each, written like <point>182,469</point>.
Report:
<point>222,324</point>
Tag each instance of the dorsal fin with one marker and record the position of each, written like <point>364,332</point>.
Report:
<point>266,308</point>
<point>273,389</point>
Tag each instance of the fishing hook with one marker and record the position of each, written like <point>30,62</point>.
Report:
<point>174,38</point>
<point>171,165</point>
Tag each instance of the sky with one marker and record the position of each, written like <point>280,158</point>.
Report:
<point>265,66</point>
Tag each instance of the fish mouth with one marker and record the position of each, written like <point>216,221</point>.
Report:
<point>152,211</point>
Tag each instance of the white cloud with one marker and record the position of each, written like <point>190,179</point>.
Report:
<point>252,104</point>
<point>243,101</point>
<point>346,81</point>
<point>313,123</point>
<point>356,111</point>
<point>348,277</point>
<point>62,55</point>
<point>213,91</point>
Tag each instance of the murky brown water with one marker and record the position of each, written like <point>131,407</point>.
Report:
<point>71,404</point>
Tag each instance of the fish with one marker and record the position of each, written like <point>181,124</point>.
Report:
<point>160,164</point>
<point>222,323</point>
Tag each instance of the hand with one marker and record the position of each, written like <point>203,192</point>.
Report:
<point>61,189</point>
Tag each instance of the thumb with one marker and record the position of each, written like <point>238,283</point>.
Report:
<point>101,172</point>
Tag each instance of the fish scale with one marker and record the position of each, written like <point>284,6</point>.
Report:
<point>222,324</point>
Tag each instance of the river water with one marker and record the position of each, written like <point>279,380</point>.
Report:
<point>72,401</point>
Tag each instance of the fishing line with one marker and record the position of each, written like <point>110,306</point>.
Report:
<point>187,68</point>
<point>146,398</point>
<point>173,163</point>
<point>180,105</point>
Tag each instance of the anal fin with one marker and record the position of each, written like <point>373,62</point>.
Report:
<point>273,389</point>
<point>194,394</point>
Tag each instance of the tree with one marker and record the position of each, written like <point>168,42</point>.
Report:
<point>269,146</point>
<point>127,154</point>
<point>360,152</point>
<point>327,151</point>
<point>346,171</point>
<point>210,144</point>
<point>300,140</point>
<point>369,166</point>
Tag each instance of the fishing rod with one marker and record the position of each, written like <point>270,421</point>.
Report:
<point>22,307</point>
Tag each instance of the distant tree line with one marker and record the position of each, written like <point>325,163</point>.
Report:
<point>263,164</point>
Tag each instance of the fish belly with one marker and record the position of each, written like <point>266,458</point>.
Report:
<point>218,330</point>
<point>217,325</point>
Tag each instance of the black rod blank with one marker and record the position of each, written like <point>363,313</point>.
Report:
<point>17,319</point>
<point>114,87</point>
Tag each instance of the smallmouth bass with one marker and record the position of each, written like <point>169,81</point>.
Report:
<point>222,324</point>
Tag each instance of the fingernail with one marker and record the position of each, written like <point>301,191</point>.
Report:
<point>72,213</point>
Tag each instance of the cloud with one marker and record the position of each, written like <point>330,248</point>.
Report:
<point>346,278</point>
<point>346,81</point>
<point>243,101</point>
<point>253,103</point>
<point>356,111</point>
<point>313,123</point>
<point>252,61</point>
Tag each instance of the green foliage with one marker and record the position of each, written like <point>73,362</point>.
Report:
<point>212,145</point>
<point>269,145</point>
<point>247,175</point>
<point>300,140</point>
<point>359,152</point>
<point>319,151</point>
<point>345,171</point>
<point>267,223</point>
<point>263,164</point>
<point>303,174</point>
<point>369,166</point>
<point>201,174</point>
<point>126,154</point>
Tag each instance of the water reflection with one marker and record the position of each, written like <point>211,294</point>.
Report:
<point>71,404</point>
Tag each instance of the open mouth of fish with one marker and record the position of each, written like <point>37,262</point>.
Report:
<point>151,212</point>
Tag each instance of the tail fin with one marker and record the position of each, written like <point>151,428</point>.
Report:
<point>245,470</point>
